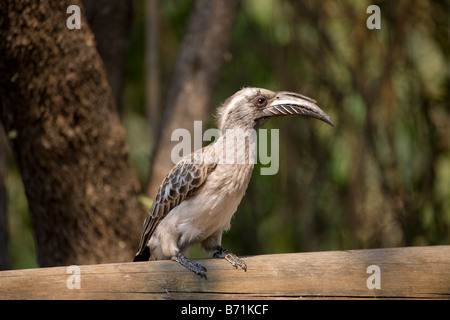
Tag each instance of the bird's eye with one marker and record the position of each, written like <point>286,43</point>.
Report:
<point>261,101</point>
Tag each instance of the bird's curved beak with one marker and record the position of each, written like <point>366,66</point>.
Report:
<point>286,103</point>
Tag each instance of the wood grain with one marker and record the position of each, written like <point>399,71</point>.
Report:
<point>412,272</point>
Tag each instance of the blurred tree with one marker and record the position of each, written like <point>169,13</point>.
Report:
<point>380,178</point>
<point>62,124</point>
<point>372,181</point>
<point>5,262</point>
<point>111,21</point>
<point>152,74</point>
<point>195,77</point>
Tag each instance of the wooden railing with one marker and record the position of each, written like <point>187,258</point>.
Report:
<point>411,272</point>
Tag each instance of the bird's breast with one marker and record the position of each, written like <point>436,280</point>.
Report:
<point>212,207</point>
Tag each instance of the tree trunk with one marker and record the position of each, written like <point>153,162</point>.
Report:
<point>196,75</point>
<point>63,127</point>
<point>152,65</point>
<point>111,21</point>
<point>5,262</point>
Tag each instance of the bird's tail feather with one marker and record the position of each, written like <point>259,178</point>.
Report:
<point>143,256</point>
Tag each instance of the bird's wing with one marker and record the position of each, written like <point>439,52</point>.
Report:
<point>182,182</point>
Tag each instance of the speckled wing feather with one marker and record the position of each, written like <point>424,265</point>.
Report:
<point>182,182</point>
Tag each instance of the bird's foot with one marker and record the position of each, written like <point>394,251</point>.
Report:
<point>195,267</point>
<point>235,261</point>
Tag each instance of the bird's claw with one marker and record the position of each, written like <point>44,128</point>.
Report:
<point>194,266</point>
<point>236,261</point>
<point>230,257</point>
<point>201,274</point>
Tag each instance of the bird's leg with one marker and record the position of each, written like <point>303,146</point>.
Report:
<point>235,261</point>
<point>195,267</point>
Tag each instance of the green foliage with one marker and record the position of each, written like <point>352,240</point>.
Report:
<point>380,178</point>
<point>21,242</point>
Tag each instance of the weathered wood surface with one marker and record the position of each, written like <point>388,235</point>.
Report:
<point>412,272</point>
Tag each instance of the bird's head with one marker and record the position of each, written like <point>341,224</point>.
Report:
<point>250,108</point>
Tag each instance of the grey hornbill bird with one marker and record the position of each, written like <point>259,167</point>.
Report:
<point>197,199</point>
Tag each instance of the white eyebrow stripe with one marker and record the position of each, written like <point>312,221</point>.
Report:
<point>230,106</point>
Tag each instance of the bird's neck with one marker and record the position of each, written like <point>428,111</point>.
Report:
<point>235,153</point>
<point>237,146</point>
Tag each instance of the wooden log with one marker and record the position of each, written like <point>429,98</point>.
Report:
<point>411,272</point>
